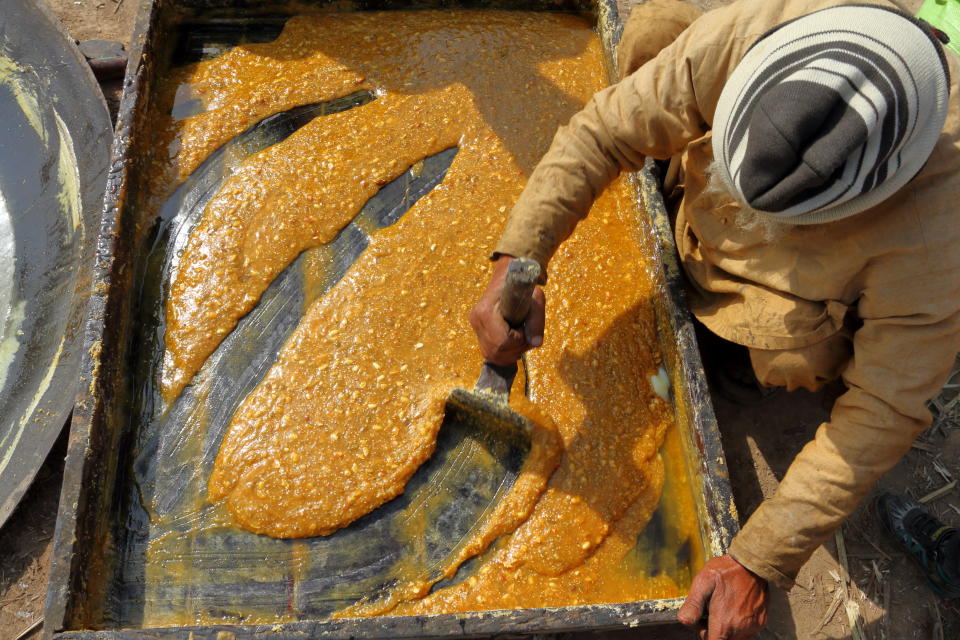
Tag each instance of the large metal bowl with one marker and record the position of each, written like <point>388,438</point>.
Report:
<point>54,148</point>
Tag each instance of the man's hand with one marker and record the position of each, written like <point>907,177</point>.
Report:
<point>500,343</point>
<point>733,597</point>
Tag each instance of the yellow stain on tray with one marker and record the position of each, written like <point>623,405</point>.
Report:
<point>354,402</point>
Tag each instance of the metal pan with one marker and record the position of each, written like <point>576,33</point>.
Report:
<point>54,141</point>
<point>93,549</point>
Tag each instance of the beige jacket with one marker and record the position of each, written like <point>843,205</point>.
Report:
<point>894,271</point>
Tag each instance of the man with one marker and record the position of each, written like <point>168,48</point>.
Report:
<point>819,158</point>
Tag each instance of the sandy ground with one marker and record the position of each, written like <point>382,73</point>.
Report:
<point>97,19</point>
<point>759,440</point>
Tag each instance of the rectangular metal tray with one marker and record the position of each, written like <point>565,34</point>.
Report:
<point>86,544</point>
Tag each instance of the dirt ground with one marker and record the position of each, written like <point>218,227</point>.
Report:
<point>760,441</point>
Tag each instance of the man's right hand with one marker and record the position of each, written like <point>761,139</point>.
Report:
<point>733,598</point>
<point>499,342</point>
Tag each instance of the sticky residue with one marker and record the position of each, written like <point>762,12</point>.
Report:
<point>9,444</point>
<point>353,404</point>
<point>10,340</point>
<point>69,175</point>
<point>9,72</point>
<point>11,318</point>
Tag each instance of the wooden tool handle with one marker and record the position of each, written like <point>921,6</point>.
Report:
<point>522,276</point>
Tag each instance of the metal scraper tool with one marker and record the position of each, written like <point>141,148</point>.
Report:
<point>486,406</point>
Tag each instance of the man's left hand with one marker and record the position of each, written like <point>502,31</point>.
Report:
<point>733,597</point>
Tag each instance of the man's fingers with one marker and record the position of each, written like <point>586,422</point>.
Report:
<point>536,318</point>
<point>496,340</point>
<point>692,610</point>
<point>718,617</point>
<point>508,345</point>
<point>500,343</point>
<point>516,341</point>
<point>716,631</point>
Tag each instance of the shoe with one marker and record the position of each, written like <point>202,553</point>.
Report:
<point>934,545</point>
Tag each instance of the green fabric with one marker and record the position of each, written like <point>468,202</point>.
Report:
<point>944,15</point>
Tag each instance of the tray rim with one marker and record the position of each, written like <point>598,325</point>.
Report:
<point>441,625</point>
<point>69,580</point>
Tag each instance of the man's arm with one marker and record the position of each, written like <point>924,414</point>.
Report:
<point>654,112</point>
<point>901,359</point>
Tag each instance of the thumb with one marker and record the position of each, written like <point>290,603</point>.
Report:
<point>536,318</point>
<point>694,606</point>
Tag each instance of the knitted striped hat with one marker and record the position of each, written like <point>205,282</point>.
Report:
<point>830,114</point>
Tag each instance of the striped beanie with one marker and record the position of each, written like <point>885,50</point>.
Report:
<point>830,114</point>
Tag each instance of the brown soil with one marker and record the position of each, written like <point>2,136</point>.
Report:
<point>759,440</point>
<point>97,19</point>
<point>26,542</point>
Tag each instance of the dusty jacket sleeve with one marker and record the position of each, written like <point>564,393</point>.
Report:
<point>655,112</point>
<point>901,359</point>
